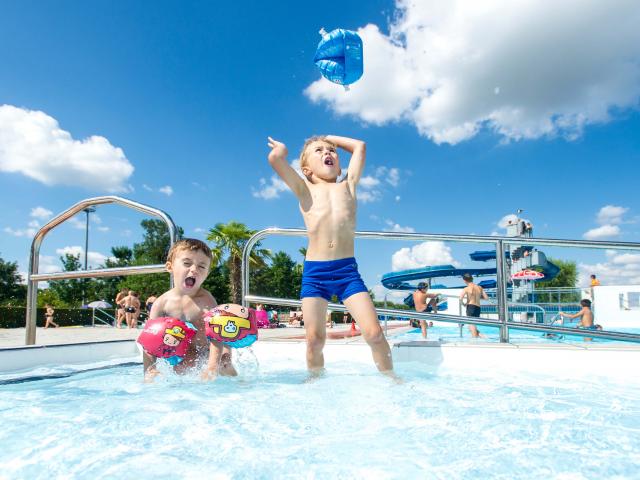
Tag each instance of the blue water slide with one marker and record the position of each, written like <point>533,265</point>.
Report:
<point>400,280</point>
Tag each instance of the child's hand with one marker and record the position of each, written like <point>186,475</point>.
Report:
<point>278,150</point>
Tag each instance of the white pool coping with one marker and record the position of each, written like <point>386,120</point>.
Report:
<point>561,360</point>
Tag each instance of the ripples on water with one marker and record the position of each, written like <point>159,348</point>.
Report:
<point>270,422</point>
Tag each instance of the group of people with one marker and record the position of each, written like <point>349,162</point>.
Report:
<point>470,297</point>
<point>328,208</point>
<point>128,307</point>
<point>472,294</point>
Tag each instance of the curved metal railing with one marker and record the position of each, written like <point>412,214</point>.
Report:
<point>34,277</point>
<point>500,244</point>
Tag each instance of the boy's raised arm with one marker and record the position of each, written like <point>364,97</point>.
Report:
<point>358,150</point>
<point>278,161</point>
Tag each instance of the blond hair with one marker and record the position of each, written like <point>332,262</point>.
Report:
<point>309,141</point>
<point>191,244</point>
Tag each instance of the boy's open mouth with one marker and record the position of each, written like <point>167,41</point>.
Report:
<point>328,161</point>
<point>190,282</point>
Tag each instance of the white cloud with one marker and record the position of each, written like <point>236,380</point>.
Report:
<point>199,230</point>
<point>523,69</point>
<point>48,264</point>
<point>34,224</point>
<point>275,186</point>
<point>617,269</point>
<point>167,190</point>
<point>147,187</point>
<point>34,144</point>
<point>603,232</point>
<point>394,227</point>
<point>369,186</point>
<point>368,182</point>
<point>611,215</point>
<point>21,232</point>
<point>418,256</point>
<point>41,213</point>
<point>94,259</point>
<point>395,296</point>
<point>368,196</point>
<point>394,177</point>
<point>397,198</point>
<point>507,220</point>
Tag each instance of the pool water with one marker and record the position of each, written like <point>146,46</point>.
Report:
<point>451,333</point>
<point>272,422</point>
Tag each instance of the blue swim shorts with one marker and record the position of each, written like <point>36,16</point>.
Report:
<point>333,277</point>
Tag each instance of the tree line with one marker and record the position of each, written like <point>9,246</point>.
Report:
<point>271,274</point>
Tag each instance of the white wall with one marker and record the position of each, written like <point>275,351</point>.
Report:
<point>607,309</point>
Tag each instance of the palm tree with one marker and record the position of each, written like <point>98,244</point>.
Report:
<point>229,240</point>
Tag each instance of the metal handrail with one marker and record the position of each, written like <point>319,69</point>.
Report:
<point>94,318</point>
<point>501,279</point>
<point>33,277</point>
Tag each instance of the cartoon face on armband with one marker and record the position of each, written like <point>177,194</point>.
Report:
<point>231,328</point>
<point>173,336</point>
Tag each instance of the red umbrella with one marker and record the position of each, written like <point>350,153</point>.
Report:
<point>527,275</point>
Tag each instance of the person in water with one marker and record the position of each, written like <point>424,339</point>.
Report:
<point>328,207</point>
<point>470,296</point>
<point>189,261</point>
<point>586,317</point>
<point>420,297</point>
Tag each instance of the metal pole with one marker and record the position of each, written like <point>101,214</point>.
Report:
<point>501,292</point>
<point>34,277</point>
<point>87,210</point>
<point>386,317</point>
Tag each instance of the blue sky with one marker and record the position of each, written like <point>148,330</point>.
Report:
<point>469,112</point>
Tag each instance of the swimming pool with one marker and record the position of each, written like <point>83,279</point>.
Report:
<point>352,423</point>
<point>451,333</point>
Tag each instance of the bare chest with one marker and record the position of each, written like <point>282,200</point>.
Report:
<point>334,201</point>
<point>186,309</point>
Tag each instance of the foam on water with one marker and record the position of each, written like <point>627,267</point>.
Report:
<point>271,422</point>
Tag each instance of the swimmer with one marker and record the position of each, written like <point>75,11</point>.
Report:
<point>586,317</point>
<point>328,208</point>
<point>189,261</point>
<point>420,297</point>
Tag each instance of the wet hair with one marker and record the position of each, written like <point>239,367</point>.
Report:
<point>585,302</point>
<point>467,277</point>
<point>309,141</point>
<point>191,244</point>
<point>593,276</point>
<point>422,285</point>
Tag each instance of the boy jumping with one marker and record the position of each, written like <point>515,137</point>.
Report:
<point>328,208</point>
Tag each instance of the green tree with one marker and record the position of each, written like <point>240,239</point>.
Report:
<point>11,288</point>
<point>47,295</point>
<point>566,278</point>
<point>152,250</point>
<point>70,291</point>
<point>282,278</point>
<point>218,283</point>
<point>107,288</point>
<point>229,240</point>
